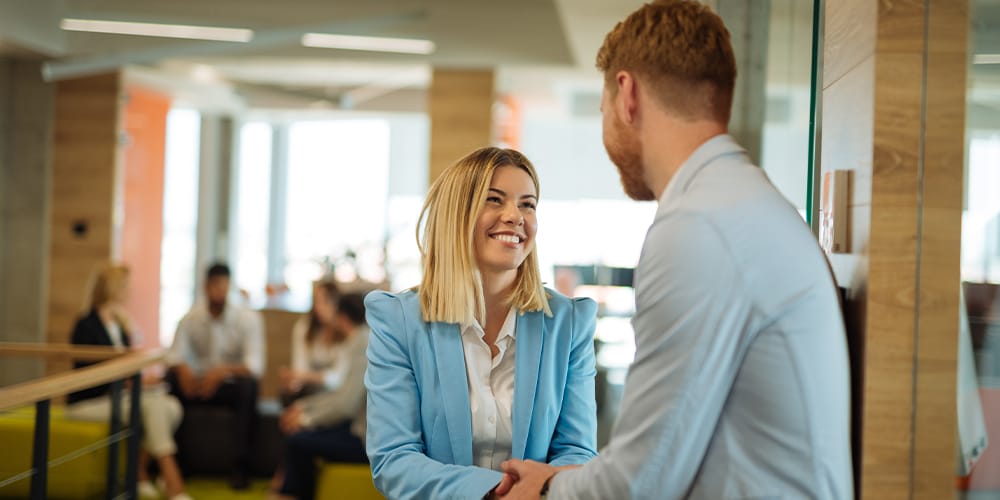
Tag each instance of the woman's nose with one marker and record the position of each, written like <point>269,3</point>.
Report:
<point>512,215</point>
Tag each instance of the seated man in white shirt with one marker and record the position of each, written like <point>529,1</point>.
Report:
<point>217,357</point>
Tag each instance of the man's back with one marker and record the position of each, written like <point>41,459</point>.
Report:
<point>784,427</point>
<point>740,386</point>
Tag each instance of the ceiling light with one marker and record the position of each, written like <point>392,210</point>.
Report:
<point>986,59</point>
<point>162,30</point>
<point>373,43</point>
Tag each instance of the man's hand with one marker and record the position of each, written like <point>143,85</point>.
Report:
<point>291,419</point>
<point>211,381</point>
<point>187,381</point>
<point>527,478</point>
<point>503,486</point>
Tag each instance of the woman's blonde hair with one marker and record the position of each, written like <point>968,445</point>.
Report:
<point>107,282</point>
<point>451,290</point>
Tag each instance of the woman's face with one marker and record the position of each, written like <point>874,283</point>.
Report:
<point>119,294</point>
<point>505,229</point>
<point>322,306</point>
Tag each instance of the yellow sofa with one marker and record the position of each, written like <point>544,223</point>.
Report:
<point>81,477</point>
<point>343,481</point>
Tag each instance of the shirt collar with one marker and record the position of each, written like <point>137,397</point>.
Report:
<point>720,145</point>
<point>507,330</point>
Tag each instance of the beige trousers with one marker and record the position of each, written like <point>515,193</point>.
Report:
<point>161,414</point>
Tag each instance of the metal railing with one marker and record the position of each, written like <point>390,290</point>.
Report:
<point>115,367</point>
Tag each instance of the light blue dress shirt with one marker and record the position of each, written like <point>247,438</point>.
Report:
<point>740,384</point>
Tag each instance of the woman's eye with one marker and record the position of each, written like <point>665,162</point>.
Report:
<point>493,199</point>
<point>528,205</point>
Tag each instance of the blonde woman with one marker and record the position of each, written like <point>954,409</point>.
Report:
<point>106,324</point>
<point>480,363</point>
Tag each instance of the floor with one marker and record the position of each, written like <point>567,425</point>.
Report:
<point>218,489</point>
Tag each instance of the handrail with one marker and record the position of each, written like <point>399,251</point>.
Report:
<point>75,380</point>
<point>59,351</point>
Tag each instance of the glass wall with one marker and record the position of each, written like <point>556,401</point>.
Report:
<point>979,353</point>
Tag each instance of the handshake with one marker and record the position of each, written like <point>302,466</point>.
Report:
<point>525,479</point>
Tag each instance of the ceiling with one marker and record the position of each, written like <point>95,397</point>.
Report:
<point>553,38</point>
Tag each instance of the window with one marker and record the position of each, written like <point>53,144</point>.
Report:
<point>253,202</point>
<point>180,219</point>
<point>336,202</point>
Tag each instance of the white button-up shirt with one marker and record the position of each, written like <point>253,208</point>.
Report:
<point>491,391</point>
<point>204,342</point>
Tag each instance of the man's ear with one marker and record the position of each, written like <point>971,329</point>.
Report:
<point>627,100</point>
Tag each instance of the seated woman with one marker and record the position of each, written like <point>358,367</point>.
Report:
<point>107,324</point>
<point>481,363</point>
<point>330,424</point>
<point>315,348</point>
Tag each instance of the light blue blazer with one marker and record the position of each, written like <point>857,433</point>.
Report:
<point>419,437</point>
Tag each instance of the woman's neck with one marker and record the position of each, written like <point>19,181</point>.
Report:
<point>106,312</point>
<point>496,292</point>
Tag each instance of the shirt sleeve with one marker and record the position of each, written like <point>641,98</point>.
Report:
<point>334,377</point>
<point>254,352</point>
<point>344,403</point>
<point>180,348</point>
<point>689,324</point>
<point>575,438</point>
<point>300,361</point>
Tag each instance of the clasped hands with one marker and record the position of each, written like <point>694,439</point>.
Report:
<point>524,479</point>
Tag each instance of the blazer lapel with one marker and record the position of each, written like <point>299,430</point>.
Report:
<point>527,358</point>
<point>449,356</point>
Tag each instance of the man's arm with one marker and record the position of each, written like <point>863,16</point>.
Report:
<point>691,316</point>
<point>254,350</point>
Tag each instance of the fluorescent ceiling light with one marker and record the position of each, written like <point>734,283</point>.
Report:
<point>373,43</point>
<point>986,59</point>
<point>162,30</point>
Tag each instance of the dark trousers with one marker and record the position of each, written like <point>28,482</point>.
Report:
<point>333,444</point>
<point>240,395</point>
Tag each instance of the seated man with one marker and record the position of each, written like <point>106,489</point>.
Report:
<point>217,357</point>
<point>330,425</point>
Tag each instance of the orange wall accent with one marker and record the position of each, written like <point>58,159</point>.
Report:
<point>145,123</point>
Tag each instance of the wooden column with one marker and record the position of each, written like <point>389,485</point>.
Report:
<point>85,185</point>
<point>460,107</point>
<point>893,113</point>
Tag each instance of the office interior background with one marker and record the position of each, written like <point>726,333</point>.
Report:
<point>294,154</point>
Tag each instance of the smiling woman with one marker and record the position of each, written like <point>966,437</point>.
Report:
<point>448,400</point>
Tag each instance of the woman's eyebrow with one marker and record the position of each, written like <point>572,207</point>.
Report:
<point>501,193</point>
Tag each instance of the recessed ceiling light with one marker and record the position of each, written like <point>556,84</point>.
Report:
<point>986,59</point>
<point>372,43</point>
<point>161,30</point>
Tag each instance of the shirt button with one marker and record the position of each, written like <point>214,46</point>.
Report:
<point>492,420</point>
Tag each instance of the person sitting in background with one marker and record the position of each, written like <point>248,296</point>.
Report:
<point>315,348</point>
<point>217,358</point>
<point>107,324</point>
<point>316,343</point>
<point>330,425</point>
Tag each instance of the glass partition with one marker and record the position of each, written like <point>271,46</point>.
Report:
<point>979,352</point>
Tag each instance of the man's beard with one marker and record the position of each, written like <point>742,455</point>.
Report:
<point>625,151</point>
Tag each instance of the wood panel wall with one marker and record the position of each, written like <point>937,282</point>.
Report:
<point>935,425</point>
<point>85,175</point>
<point>893,114</point>
<point>461,112</point>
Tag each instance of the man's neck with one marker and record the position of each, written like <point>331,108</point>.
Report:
<point>668,144</point>
<point>216,310</point>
